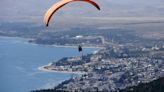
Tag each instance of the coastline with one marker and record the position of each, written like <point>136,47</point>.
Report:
<point>67,46</point>
<point>60,46</point>
<point>42,68</point>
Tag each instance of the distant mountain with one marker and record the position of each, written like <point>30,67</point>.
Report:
<point>109,8</point>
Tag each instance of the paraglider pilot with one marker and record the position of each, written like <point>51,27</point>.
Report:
<point>80,48</point>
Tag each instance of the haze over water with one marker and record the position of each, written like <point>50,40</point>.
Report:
<point>19,62</point>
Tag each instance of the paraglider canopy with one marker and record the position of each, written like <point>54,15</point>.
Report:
<point>61,3</point>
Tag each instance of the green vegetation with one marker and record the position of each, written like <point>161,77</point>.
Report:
<point>154,86</point>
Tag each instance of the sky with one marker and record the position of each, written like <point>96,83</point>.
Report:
<point>28,9</point>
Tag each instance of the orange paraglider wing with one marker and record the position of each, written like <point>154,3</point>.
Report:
<point>61,3</point>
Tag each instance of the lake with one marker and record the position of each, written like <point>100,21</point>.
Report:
<point>19,62</point>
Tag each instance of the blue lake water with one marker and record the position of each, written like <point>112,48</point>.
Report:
<point>19,62</point>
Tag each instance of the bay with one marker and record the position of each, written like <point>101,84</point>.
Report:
<point>19,62</point>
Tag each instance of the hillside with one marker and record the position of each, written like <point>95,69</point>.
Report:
<point>154,86</point>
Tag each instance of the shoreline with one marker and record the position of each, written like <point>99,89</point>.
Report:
<point>60,46</point>
<point>53,45</point>
<point>55,71</point>
<point>66,46</point>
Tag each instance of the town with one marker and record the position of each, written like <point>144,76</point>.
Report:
<point>111,69</point>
